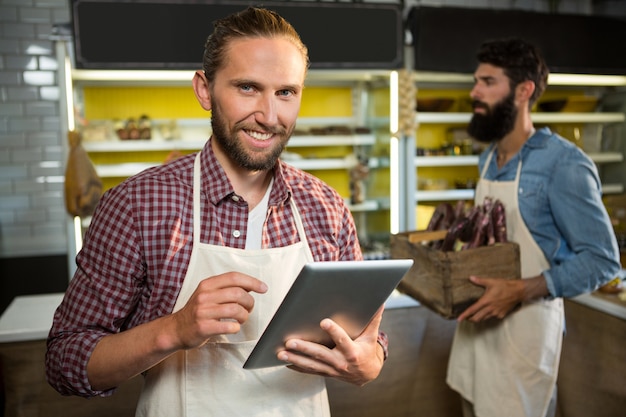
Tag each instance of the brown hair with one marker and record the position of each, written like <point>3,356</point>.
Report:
<point>252,22</point>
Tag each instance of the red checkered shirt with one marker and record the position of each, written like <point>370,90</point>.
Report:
<point>137,248</point>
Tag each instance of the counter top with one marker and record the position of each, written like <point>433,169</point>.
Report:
<point>399,300</point>
<point>28,317</point>
<point>605,303</point>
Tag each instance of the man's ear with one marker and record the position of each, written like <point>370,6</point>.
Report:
<point>202,90</point>
<point>525,90</point>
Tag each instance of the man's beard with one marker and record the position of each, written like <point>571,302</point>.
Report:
<point>231,144</point>
<point>496,123</point>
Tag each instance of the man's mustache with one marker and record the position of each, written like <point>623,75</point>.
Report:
<point>479,104</point>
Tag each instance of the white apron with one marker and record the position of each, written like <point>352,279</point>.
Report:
<point>210,380</point>
<point>509,368</point>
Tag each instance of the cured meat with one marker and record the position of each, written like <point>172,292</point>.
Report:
<point>457,229</point>
<point>459,209</point>
<point>499,221</point>
<point>435,220</point>
<point>484,225</point>
<point>83,187</point>
<point>448,216</point>
<point>467,232</point>
<point>478,231</point>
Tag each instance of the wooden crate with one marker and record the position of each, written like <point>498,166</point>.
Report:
<point>440,280</point>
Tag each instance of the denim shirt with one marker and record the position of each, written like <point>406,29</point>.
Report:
<point>560,200</point>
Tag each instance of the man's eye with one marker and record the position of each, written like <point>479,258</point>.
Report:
<point>246,87</point>
<point>285,93</point>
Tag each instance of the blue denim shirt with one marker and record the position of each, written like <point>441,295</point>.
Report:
<point>560,200</point>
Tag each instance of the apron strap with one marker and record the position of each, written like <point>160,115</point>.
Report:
<point>196,200</point>
<point>300,227</point>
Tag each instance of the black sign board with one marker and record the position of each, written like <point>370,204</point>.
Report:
<point>170,34</point>
<point>446,39</point>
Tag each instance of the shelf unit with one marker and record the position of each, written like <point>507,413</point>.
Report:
<point>447,81</point>
<point>128,169</point>
<point>364,113</point>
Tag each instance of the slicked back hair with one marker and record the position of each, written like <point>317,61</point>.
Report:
<point>252,22</point>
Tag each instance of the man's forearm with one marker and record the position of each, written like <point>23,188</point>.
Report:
<point>119,357</point>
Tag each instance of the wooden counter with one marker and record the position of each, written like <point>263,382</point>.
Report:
<point>411,383</point>
<point>592,374</point>
<point>24,326</point>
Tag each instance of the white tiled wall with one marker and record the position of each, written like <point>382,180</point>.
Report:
<point>32,213</point>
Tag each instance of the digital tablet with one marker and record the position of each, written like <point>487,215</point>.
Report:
<point>348,292</point>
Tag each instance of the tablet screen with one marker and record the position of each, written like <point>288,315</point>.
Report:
<point>348,292</point>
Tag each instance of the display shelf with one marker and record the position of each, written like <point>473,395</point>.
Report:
<point>612,188</point>
<point>122,170</point>
<point>129,169</point>
<point>462,118</point>
<point>606,157</point>
<point>578,117</point>
<point>142,145</point>
<point>445,161</point>
<point>451,79</point>
<point>368,205</point>
<point>430,83</point>
<point>184,77</point>
<point>81,77</point>
<point>331,140</point>
<point>165,145</point>
<point>444,195</point>
<point>442,117</point>
<point>471,160</point>
<point>312,164</point>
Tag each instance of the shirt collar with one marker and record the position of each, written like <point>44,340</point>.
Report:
<point>217,186</point>
<point>539,139</point>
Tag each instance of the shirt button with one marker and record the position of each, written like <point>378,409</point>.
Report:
<point>236,233</point>
<point>235,198</point>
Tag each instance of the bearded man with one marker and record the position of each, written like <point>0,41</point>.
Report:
<point>507,345</point>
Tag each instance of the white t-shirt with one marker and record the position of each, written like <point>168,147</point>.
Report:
<point>256,218</point>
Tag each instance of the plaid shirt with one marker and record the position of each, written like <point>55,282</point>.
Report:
<point>139,243</point>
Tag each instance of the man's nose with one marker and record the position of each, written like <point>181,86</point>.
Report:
<point>267,110</point>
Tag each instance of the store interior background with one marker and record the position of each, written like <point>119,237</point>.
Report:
<point>34,239</point>
<point>33,232</point>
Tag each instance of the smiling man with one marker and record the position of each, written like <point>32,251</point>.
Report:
<point>183,264</point>
<point>506,348</point>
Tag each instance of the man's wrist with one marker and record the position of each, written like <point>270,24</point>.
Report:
<point>535,288</point>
